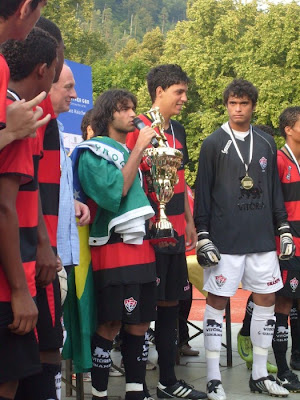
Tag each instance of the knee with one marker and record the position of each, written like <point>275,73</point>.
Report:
<point>137,330</point>
<point>264,300</point>
<point>283,305</point>
<point>109,329</point>
<point>217,302</point>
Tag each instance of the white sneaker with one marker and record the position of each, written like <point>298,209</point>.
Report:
<point>267,385</point>
<point>215,390</point>
<point>114,372</point>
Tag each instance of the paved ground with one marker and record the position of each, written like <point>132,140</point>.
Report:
<point>192,369</point>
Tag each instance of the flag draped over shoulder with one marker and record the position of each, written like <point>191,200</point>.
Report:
<point>80,309</point>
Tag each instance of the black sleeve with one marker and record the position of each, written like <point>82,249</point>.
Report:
<point>204,184</point>
<point>279,211</point>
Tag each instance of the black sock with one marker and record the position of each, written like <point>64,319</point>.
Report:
<point>41,386</point>
<point>166,343</point>
<point>4,398</point>
<point>245,331</point>
<point>280,342</point>
<point>101,361</point>
<point>134,350</point>
<point>295,327</point>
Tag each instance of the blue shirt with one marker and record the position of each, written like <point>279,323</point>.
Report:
<point>67,233</point>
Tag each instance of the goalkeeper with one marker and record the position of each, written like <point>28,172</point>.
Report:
<point>238,208</point>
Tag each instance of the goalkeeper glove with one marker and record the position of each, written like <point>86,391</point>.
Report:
<point>207,253</point>
<point>287,246</point>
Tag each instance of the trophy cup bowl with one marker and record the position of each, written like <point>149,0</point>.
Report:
<point>164,163</point>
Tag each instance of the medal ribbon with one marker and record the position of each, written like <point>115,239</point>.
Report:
<point>238,150</point>
<point>292,157</point>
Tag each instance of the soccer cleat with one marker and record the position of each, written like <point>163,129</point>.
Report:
<point>180,390</point>
<point>244,346</point>
<point>289,381</point>
<point>295,360</point>
<point>267,385</point>
<point>215,390</point>
<point>271,368</point>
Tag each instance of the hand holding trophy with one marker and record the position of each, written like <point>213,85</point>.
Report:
<point>163,162</point>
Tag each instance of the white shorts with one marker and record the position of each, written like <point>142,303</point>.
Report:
<point>258,272</point>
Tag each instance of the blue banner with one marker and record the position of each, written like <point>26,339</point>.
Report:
<point>71,120</point>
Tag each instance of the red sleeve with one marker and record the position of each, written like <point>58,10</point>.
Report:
<point>16,158</point>
<point>47,107</point>
<point>4,78</point>
<point>131,139</point>
<point>280,165</point>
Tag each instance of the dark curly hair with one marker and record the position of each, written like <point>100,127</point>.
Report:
<point>106,105</point>
<point>85,122</point>
<point>9,7</point>
<point>240,88</point>
<point>288,117</point>
<point>50,27</point>
<point>23,56</point>
<point>165,76</point>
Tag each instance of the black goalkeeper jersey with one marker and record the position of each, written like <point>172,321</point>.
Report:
<point>239,221</point>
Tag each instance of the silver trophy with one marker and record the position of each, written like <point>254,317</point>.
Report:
<point>163,162</point>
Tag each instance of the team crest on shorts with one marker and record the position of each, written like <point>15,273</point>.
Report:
<point>157,281</point>
<point>294,284</point>
<point>263,162</point>
<point>130,304</point>
<point>220,280</point>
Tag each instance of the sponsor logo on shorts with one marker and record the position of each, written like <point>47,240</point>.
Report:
<point>187,287</point>
<point>157,281</point>
<point>263,162</point>
<point>220,280</point>
<point>130,304</point>
<point>294,284</point>
<point>226,148</point>
<point>288,177</point>
<point>273,281</point>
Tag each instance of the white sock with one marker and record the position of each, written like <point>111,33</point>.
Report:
<point>212,328</point>
<point>261,332</point>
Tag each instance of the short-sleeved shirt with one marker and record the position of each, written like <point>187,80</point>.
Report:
<point>22,158</point>
<point>4,78</point>
<point>175,207</point>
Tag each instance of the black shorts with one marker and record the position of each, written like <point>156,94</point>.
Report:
<point>131,304</point>
<point>172,277</point>
<point>49,325</point>
<point>291,282</point>
<point>19,354</point>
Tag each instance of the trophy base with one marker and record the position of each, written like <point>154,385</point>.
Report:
<point>158,235</point>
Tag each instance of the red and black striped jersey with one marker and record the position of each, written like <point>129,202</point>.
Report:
<point>49,172</point>
<point>4,78</point>
<point>22,158</point>
<point>290,183</point>
<point>175,207</point>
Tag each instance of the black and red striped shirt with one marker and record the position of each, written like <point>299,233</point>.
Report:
<point>22,158</point>
<point>49,172</point>
<point>290,183</point>
<point>175,207</point>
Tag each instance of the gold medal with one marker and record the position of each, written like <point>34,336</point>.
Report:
<point>247,182</point>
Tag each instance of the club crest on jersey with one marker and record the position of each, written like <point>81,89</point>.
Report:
<point>130,304</point>
<point>220,280</point>
<point>288,177</point>
<point>294,284</point>
<point>263,162</point>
